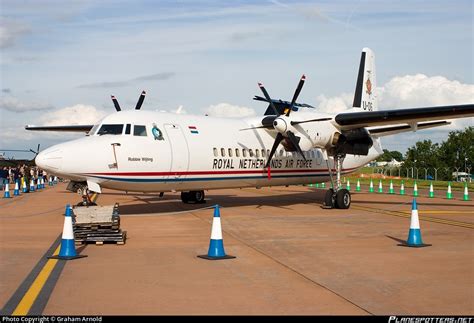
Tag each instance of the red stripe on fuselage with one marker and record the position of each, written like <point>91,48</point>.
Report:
<point>219,172</point>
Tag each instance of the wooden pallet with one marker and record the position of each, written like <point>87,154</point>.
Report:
<point>118,239</point>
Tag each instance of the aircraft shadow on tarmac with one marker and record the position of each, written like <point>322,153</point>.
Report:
<point>147,203</point>
<point>151,203</point>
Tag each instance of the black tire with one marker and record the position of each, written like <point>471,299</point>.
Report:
<point>185,197</point>
<point>343,199</point>
<point>329,198</point>
<point>198,196</point>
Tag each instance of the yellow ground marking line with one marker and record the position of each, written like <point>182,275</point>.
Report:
<point>30,296</point>
<point>424,218</point>
<point>441,212</point>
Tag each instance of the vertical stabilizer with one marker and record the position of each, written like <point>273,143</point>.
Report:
<point>364,97</point>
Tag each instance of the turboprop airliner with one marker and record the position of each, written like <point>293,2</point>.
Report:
<point>293,143</point>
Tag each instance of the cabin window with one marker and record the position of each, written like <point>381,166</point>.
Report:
<point>128,128</point>
<point>215,152</point>
<point>139,131</point>
<point>110,129</point>
<point>237,152</point>
<point>230,152</point>
<point>281,152</point>
<point>222,152</point>
<point>251,152</point>
<point>244,152</point>
<point>257,153</point>
<point>263,153</point>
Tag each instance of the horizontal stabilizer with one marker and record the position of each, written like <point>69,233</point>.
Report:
<point>73,128</point>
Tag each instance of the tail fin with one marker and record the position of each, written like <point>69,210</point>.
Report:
<point>365,97</point>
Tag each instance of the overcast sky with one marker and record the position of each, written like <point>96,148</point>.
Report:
<point>61,60</point>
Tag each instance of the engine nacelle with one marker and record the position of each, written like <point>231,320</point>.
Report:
<point>353,142</point>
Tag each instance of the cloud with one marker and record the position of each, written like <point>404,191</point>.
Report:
<point>10,31</point>
<point>334,104</point>
<point>227,110</point>
<point>74,115</point>
<point>409,91</point>
<point>420,90</point>
<point>153,77</point>
<point>11,103</point>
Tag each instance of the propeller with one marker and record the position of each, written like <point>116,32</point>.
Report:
<point>137,107</point>
<point>140,100</point>
<point>37,150</point>
<point>116,104</point>
<point>279,122</point>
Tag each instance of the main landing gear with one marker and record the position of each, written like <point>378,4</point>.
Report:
<point>339,198</point>
<point>193,197</point>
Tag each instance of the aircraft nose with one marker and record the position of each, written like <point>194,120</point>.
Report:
<point>50,159</point>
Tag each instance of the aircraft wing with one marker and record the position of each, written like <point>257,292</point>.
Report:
<point>387,131</point>
<point>354,120</point>
<point>73,128</point>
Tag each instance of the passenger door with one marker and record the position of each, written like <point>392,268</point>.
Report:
<point>179,151</point>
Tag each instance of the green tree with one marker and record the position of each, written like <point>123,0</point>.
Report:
<point>423,155</point>
<point>389,155</point>
<point>458,150</point>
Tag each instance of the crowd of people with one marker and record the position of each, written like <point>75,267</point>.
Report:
<point>21,173</point>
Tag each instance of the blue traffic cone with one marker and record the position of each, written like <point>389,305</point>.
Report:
<point>216,246</point>
<point>414,235</point>
<point>42,182</point>
<point>50,182</point>
<point>55,181</point>
<point>68,249</point>
<point>32,185</point>
<point>38,184</point>
<point>6,193</point>
<point>16,191</point>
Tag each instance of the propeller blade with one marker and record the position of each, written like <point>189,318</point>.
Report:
<point>38,149</point>
<point>278,139</point>
<point>312,120</point>
<point>140,100</point>
<point>294,141</point>
<point>116,104</point>
<point>297,93</point>
<point>265,93</point>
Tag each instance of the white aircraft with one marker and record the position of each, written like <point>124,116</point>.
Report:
<point>146,151</point>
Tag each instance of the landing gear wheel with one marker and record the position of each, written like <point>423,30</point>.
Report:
<point>329,199</point>
<point>343,199</point>
<point>197,196</point>
<point>185,197</point>
<point>193,196</point>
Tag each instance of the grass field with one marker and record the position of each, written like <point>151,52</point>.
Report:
<point>364,175</point>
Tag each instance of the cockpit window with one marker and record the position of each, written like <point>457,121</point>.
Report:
<point>139,131</point>
<point>110,129</point>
